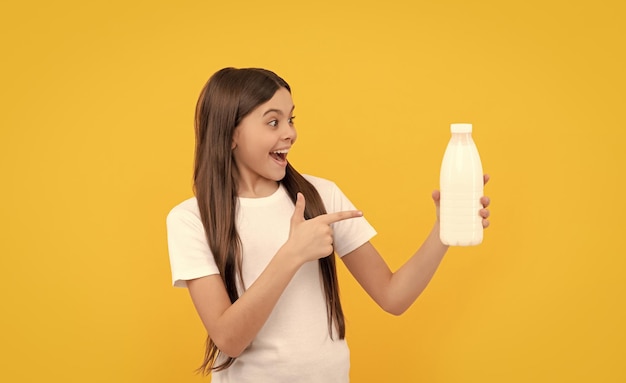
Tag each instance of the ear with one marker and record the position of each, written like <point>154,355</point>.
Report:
<point>233,143</point>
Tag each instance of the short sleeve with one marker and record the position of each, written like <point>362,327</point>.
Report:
<point>189,253</point>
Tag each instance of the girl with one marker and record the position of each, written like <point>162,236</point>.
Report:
<point>255,246</point>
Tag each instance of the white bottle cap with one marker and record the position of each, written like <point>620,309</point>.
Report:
<point>461,128</point>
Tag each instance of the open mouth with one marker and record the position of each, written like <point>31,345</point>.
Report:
<point>279,155</point>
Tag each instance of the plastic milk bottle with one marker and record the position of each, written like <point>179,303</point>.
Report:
<point>461,184</point>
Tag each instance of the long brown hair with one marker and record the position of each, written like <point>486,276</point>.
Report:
<point>229,96</point>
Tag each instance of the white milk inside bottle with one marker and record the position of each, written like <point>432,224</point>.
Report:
<point>461,183</point>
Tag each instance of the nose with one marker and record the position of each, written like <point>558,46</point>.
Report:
<point>289,133</point>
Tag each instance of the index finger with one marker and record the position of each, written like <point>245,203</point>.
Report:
<point>340,216</point>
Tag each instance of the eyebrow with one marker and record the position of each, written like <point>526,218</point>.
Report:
<point>277,111</point>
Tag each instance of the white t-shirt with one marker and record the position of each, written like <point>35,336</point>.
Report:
<point>294,344</point>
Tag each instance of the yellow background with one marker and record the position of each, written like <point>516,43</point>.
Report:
<point>96,146</point>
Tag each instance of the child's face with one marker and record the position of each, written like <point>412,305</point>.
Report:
<point>261,142</point>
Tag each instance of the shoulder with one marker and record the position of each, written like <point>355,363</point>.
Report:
<point>187,211</point>
<point>321,184</point>
<point>331,194</point>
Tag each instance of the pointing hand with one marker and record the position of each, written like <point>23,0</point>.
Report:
<point>313,238</point>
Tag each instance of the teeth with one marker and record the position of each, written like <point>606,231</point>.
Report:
<point>282,151</point>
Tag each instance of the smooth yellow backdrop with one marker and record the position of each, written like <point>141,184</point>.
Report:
<point>96,146</point>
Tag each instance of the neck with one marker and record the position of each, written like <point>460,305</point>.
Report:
<point>257,189</point>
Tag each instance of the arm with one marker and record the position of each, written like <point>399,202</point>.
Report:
<point>395,292</point>
<point>232,327</point>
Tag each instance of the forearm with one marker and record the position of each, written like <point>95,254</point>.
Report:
<point>240,323</point>
<point>408,282</point>
<point>395,292</point>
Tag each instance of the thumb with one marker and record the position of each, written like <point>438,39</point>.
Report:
<point>298,213</point>
<point>437,200</point>
<point>436,197</point>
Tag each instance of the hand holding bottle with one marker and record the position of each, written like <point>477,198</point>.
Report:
<point>484,200</point>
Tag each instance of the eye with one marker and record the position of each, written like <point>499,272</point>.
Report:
<point>273,123</point>
<point>291,119</point>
